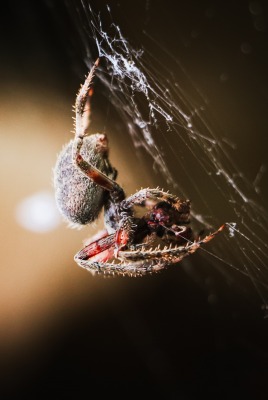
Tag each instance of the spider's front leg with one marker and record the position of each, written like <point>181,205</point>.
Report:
<point>95,255</point>
<point>125,232</point>
<point>154,259</point>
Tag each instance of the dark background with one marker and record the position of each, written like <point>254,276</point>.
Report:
<point>184,333</point>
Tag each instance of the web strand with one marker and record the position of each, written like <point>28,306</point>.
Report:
<point>156,110</point>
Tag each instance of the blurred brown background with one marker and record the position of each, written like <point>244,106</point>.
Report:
<point>64,333</point>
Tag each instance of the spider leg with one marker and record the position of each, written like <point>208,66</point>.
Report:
<point>143,197</point>
<point>96,262</point>
<point>141,261</point>
<point>82,104</point>
<point>94,174</point>
<point>82,111</point>
<point>96,253</point>
<point>167,255</point>
<point>124,233</point>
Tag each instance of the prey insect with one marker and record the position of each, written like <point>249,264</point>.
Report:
<point>85,183</point>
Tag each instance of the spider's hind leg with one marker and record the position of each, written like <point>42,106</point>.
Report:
<point>82,121</point>
<point>82,104</point>
<point>94,173</point>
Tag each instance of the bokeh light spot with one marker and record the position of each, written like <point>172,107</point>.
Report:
<point>38,213</point>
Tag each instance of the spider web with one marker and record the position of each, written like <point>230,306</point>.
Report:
<point>168,120</point>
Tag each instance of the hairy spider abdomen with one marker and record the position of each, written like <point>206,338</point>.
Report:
<point>79,199</point>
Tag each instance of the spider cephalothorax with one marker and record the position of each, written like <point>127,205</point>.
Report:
<point>84,183</point>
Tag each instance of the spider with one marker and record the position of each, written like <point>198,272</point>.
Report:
<point>85,183</point>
